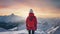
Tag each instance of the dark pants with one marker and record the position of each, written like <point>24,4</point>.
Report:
<point>31,31</point>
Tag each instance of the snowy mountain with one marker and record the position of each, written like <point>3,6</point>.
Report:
<point>57,31</point>
<point>45,26</point>
<point>10,21</point>
<point>10,18</point>
<point>50,25</point>
<point>22,30</point>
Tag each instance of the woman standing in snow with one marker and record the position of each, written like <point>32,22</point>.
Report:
<point>31,22</point>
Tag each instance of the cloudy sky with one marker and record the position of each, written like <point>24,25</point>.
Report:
<point>41,8</point>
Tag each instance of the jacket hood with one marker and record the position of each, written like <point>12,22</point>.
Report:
<point>31,14</point>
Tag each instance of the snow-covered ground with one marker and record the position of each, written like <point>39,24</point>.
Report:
<point>22,32</point>
<point>45,26</point>
<point>21,29</point>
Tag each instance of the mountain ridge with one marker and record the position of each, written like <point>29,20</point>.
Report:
<point>11,18</point>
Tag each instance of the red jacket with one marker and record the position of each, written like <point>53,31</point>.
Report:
<point>31,22</point>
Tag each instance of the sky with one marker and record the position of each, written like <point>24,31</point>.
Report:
<point>41,8</point>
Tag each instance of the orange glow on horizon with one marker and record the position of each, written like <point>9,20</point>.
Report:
<point>23,11</point>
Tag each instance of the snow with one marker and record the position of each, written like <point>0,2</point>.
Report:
<point>22,30</point>
<point>43,28</point>
<point>52,30</point>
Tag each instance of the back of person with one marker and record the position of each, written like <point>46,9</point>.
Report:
<point>31,21</point>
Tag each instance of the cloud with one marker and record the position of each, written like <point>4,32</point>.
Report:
<point>6,3</point>
<point>42,4</point>
<point>37,3</point>
<point>56,3</point>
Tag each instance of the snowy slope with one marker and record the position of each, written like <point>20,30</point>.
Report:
<point>22,30</point>
<point>43,28</point>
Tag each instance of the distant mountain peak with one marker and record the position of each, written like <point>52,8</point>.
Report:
<point>11,18</point>
<point>12,14</point>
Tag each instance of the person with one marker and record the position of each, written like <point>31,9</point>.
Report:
<point>31,22</point>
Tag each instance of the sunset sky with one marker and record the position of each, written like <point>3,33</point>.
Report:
<point>41,8</point>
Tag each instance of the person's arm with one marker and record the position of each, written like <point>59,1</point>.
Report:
<point>27,22</point>
<point>36,22</point>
